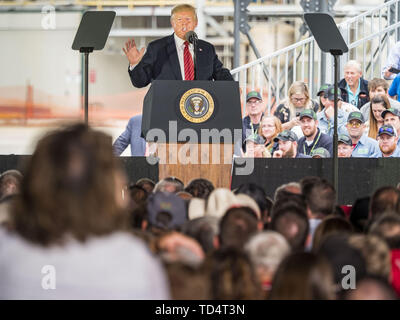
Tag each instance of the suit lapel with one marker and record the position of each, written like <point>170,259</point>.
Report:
<point>173,57</point>
<point>199,62</point>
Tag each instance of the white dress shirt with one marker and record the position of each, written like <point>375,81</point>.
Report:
<point>180,47</point>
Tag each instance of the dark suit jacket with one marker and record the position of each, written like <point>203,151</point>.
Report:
<point>160,62</point>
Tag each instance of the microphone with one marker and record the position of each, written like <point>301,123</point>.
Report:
<point>191,37</point>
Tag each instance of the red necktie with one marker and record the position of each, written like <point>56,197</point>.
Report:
<point>188,63</point>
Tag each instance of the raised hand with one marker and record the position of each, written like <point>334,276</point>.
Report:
<point>132,53</point>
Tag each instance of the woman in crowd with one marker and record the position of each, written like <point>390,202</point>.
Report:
<point>378,104</point>
<point>298,99</point>
<point>270,127</point>
<point>68,234</point>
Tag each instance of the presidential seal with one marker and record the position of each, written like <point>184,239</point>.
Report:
<point>196,105</point>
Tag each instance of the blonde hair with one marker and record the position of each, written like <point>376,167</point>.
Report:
<point>277,123</point>
<point>183,7</point>
<point>298,87</point>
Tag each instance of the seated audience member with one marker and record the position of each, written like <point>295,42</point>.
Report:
<point>266,251</point>
<point>371,288</point>
<point>204,230</point>
<point>303,276</point>
<point>131,136</point>
<point>165,211</point>
<point>394,90</point>
<point>292,223</point>
<point>387,140</point>
<point>393,60</point>
<point>258,194</point>
<point>255,147</point>
<point>146,184</point>
<point>392,116</point>
<point>353,88</point>
<point>287,146</point>
<point>345,146</point>
<point>312,136</point>
<point>200,188</point>
<point>269,129</point>
<point>254,108</point>
<point>363,146</point>
<point>339,243</point>
<point>138,195</point>
<point>71,215</point>
<point>298,99</point>
<point>377,87</point>
<point>10,184</point>
<point>232,276</point>
<point>320,153</point>
<point>375,252</point>
<point>187,282</point>
<point>169,184</point>
<point>330,225</point>
<point>378,105</point>
<point>384,199</point>
<point>236,227</point>
<point>321,95</point>
<point>320,198</point>
<point>326,116</point>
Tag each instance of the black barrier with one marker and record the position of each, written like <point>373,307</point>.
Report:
<point>358,177</point>
<point>136,167</point>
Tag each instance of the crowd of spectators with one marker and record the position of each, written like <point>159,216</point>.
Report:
<point>364,107</point>
<point>72,209</point>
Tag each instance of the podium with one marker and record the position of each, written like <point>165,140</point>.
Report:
<point>192,127</point>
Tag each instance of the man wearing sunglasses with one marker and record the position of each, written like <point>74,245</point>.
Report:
<point>363,146</point>
<point>387,139</point>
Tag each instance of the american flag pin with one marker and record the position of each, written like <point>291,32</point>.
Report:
<point>200,49</point>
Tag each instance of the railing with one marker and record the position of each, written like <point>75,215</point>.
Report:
<point>369,37</point>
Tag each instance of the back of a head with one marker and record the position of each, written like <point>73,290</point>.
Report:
<point>359,214</point>
<point>146,184</point>
<point>320,197</point>
<point>292,223</point>
<point>371,288</point>
<point>388,228</point>
<point>169,184</point>
<point>376,253</point>
<point>232,276</point>
<point>328,226</point>
<point>303,276</point>
<point>267,250</point>
<point>289,200</point>
<point>237,226</point>
<point>10,182</point>
<point>203,230</point>
<point>337,250</point>
<point>287,189</point>
<point>70,188</point>
<point>383,200</point>
<point>200,188</point>
<point>255,192</point>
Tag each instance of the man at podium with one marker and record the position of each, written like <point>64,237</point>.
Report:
<point>171,58</point>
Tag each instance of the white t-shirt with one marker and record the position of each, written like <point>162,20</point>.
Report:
<point>117,266</point>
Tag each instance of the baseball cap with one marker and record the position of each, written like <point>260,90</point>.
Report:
<point>308,113</point>
<point>393,111</point>
<point>344,138</point>
<point>356,115</point>
<point>323,89</point>
<point>255,138</point>
<point>320,152</point>
<point>169,203</point>
<point>286,135</point>
<point>330,93</point>
<point>253,94</point>
<point>387,129</point>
